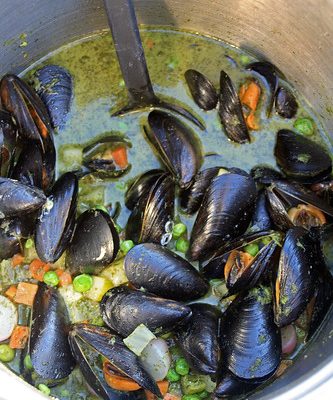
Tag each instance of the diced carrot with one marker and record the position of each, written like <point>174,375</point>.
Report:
<point>17,260</point>
<point>19,337</point>
<point>11,292</point>
<point>163,386</point>
<point>65,277</point>
<point>251,122</point>
<point>38,268</point>
<point>150,44</point>
<point>26,293</point>
<point>170,396</point>
<point>250,94</point>
<point>119,382</point>
<point>119,155</point>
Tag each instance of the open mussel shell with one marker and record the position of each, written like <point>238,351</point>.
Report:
<point>140,188</point>
<point>8,142</point>
<point>198,339</point>
<point>32,119</point>
<point>229,385</point>
<point>54,86</point>
<point>270,73</point>
<point>202,90</point>
<point>231,112</point>
<point>300,158</point>
<point>50,353</point>
<point>250,340</point>
<point>56,222</point>
<point>265,175</point>
<point>18,199</point>
<point>285,103</point>
<point>296,276</point>
<point>283,195</point>
<point>224,214</point>
<point>95,243</point>
<point>177,145</point>
<point>157,314</point>
<point>29,166</point>
<point>111,347</point>
<point>191,198</point>
<point>151,214</point>
<point>164,273</point>
<point>261,220</point>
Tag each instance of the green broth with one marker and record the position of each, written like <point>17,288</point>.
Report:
<point>99,90</point>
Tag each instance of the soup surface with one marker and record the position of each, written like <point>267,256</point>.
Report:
<point>99,91</point>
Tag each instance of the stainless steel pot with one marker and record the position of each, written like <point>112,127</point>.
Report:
<point>295,35</point>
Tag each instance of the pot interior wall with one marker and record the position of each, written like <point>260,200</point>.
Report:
<point>296,36</point>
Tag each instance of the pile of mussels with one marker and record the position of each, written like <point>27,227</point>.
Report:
<point>286,212</point>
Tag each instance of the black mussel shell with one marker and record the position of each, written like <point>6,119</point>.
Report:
<point>54,86</point>
<point>214,269</point>
<point>231,112</point>
<point>285,103</point>
<point>50,353</point>
<point>162,272</point>
<point>202,90</point>
<point>250,340</point>
<point>112,348</point>
<point>265,174</point>
<point>32,119</point>
<point>140,188</point>
<point>151,214</point>
<point>224,214</point>
<point>198,339</point>
<point>261,220</point>
<point>18,199</point>
<point>157,314</point>
<point>300,158</point>
<point>324,190</point>
<point>229,385</point>
<point>98,159</point>
<point>10,239</point>
<point>95,243</point>
<point>56,222</point>
<point>283,195</point>
<point>270,73</point>
<point>29,166</point>
<point>191,198</point>
<point>178,146</point>
<point>8,142</point>
<point>296,276</point>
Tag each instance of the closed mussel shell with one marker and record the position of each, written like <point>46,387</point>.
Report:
<point>164,273</point>
<point>9,239</point>
<point>285,103</point>
<point>300,158</point>
<point>229,385</point>
<point>95,243</point>
<point>296,276</point>
<point>198,339</point>
<point>177,146</point>
<point>250,340</point>
<point>202,90</point>
<point>56,222</point>
<point>157,314</point>
<point>50,353</point>
<point>261,220</point>
<point>224,214</point>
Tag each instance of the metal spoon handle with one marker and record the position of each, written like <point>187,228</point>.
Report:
<point>128,45</point>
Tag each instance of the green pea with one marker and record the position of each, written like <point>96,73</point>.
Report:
<point>126,246</point>
<point>118,228</point>
<point>304,126</point>
<point>182,368</point>
<point>182,245</point>
<point>193,384</point>
<point>102,208</point>
<point>44,389</point>
<point>244,59</point>
<point>178,230</point>
<point>6,353</point>
<point>190,397</point>
<point>27,362</point>
<point>172,375</point>
<point>82,283</point>
<point>252,249</point>
<point>51,278</point>
<point>29,243</point>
